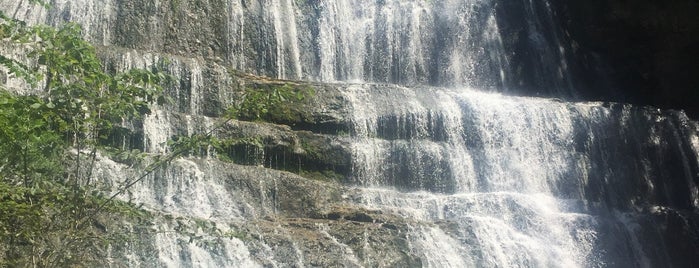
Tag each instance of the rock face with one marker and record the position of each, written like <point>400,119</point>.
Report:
<point>388,171</point>
<point>641,51</point>
<point>207,213</point>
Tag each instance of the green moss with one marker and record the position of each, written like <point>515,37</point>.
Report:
<point>342,133</point>
<point>239,234</point>
<point>322,175</point>
<point>243,151</point>
<point>273,102</point>
<point>175,4</point>
<point>310,150</point>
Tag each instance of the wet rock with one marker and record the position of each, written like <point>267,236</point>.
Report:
<point>641,52</point>
<point>327,243</point>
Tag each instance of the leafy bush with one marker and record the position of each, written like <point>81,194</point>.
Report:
<point>51,211</point>
<point>270,103</point>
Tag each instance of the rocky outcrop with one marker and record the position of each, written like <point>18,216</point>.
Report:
<point>279,147</point>
<point>208,212</point>
<point>309,136</point>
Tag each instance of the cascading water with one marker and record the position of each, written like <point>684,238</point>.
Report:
<point>484,44</point>
<point>473,179</point>
<point>522,181</point>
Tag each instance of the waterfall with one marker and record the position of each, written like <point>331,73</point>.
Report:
<point>447,169</point>
<point>523,181</point>
<point>411,42</point>
<point>492,45</point>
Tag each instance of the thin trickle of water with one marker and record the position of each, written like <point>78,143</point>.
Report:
<point>188,196</point>
<point>554,56</point>
<point>694,138</point>
<point>438,249</point>
<point>497,52</point>
<point>95,17</point>
<point>348,252</point>
<point>630,229</point>
<point>283,13</point>
<point>157,130</point>
<point>235,27</point>
<point>178,250</point>
<point>299,260</point>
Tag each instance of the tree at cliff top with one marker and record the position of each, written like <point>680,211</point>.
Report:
<point>52,213</point>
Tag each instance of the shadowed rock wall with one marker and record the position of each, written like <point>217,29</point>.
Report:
<point>642,52</point>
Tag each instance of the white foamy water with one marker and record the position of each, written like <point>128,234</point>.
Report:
<point>507,177</point>
<point>492,229</point>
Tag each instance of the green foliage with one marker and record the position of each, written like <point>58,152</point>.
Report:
<point>52,215</point>
<point>272,103</point>
<point>241,235</point>
<point>31,146</point>
<point>46,227</point>
<point>79,89</point>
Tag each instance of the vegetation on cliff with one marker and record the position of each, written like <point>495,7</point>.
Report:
<point>58,109</point>
<point>52,213</point>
